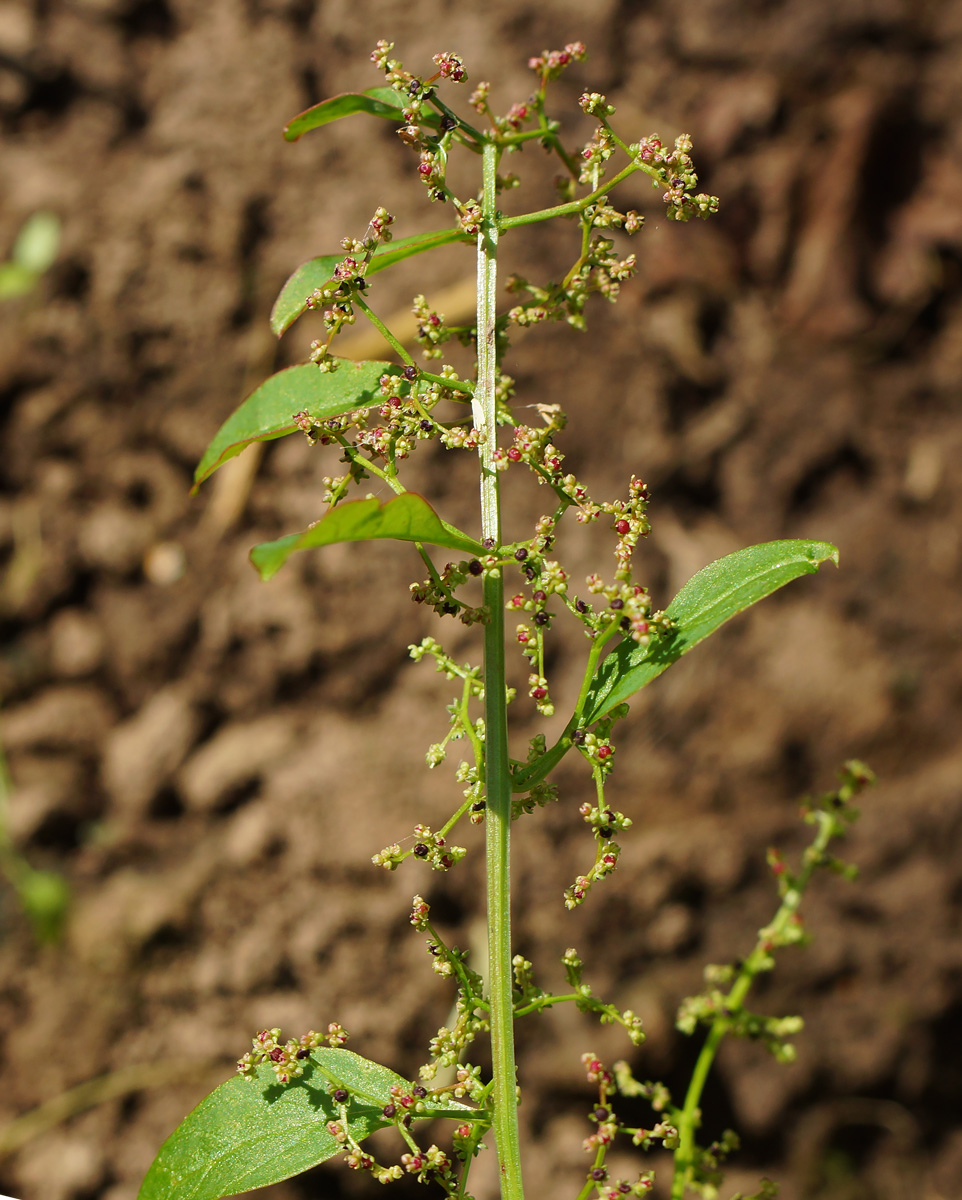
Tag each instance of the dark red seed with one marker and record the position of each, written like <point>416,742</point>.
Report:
<point>539,693</point>
<point>474,567</point>
<point>389,1110</point>
<point>578,737</point>
<point>420,1092</point>
<point>601,1114</point>
<point>277,1055</point>
<point>341,1096</point>
<point>617,603</point>
<point>539,595</point>
<point>304,1053</point>
<point>410,372</point>
<point>622,527</point>
<point>521,554</point>
<point>420,850</point>
<point>581,606</point>
<point>541,618</point>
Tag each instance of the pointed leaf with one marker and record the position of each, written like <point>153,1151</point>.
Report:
<point>292,301</point>
<point>250,1133</point>
<point>408,518</point>
<point>707,600</point>
<point>268,412</point>
<point>378,102</point>
<point>394,252</point>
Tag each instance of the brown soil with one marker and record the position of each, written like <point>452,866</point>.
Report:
<point>211,761</point>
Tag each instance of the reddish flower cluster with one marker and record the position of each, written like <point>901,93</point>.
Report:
<point>550,63</point>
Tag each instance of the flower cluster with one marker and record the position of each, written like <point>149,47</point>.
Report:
<point>550,63</point>
<point>605,863</point>
<point>674,171</point>
<point>439,593</point>
<point>419,118</point>
<point>287,1060</point>
<point>599,270</point>
<point>431,848</point>
<point>450,66</point>
<point>432,333</point>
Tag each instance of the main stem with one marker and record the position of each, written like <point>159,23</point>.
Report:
<point>497,776</point>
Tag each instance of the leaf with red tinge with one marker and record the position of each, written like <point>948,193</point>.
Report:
<point>707,600</point>
<point>292,301</point>
<point>376,102</point>
<point>406,518</point>
<point>268,412</point>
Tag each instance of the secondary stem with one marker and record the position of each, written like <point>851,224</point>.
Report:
<point>690,1117</point>
<point>497,775</point>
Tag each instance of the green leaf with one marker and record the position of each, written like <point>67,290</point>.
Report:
<point>378,102</point>
<point>16,280</point>
<point>45,898</point>
<point>268,412</point>
<point>292,301</point>
<point>37,242</point>
<point>250,1133</point>
<point>408,518</point>
<point>707,600</point>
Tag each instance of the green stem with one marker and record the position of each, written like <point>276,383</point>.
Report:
<point>533,773</point>
<point>382,329</point>
<point>497,772</point>
<point>573,207</point>
<point>455,385</point>
<point>468,725</point>
<point>690,1116</point>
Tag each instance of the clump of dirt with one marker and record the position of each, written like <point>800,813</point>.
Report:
<point>211,761</point>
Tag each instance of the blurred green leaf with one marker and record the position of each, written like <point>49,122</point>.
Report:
<point>16,280</point>
<point>45,898</point>
<point>707,600</point>
<point>268,412</point>
<point>407,518</point>
<point>37,242</point>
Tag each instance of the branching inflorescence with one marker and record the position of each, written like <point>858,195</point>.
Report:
<point>376,414</point>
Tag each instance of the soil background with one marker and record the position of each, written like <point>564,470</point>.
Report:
<point>211,761</point>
